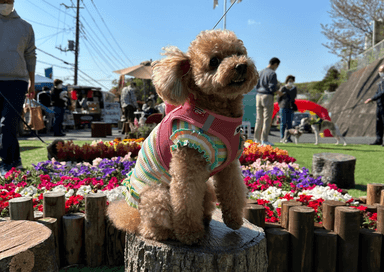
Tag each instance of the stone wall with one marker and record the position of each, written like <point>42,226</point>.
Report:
<point>347,108</point>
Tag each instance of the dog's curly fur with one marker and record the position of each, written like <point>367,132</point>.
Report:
<point>217,72</point>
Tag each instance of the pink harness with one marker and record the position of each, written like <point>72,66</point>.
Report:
<point>225,128</point>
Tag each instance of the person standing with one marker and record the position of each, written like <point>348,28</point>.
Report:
<point>17,69</point>
<point>266,88</point>
<point>59,98</point>
<point>286,104</point>
<point>129,102</point>
<point>379,98</point>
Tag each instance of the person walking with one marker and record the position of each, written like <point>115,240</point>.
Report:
<point>266,88</point>
<point>17,69</point>
<point>129,102</point>
<point>379,98</point>
<point>59,98</point>
<point>287,105</point>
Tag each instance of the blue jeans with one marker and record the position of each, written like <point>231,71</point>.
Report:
<point>286,121</point>
<point>14,91</point>
<point>59,118</point>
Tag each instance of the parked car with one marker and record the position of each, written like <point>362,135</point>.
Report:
<point>297,120</point>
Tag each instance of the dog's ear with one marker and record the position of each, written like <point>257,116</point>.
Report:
<point>172,75</point>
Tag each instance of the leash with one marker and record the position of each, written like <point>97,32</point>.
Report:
<point>22,119</point>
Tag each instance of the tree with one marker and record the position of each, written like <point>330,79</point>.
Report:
<point>350,25</point>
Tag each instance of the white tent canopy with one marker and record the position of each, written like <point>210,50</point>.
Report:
<point>41,79</point>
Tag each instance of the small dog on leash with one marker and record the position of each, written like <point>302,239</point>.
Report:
<point>295,132</point>
<point>322,125</point>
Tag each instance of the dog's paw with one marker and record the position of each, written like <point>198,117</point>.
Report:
<point>190,236</point>
<point>345,144</point>
<point>233,223</point>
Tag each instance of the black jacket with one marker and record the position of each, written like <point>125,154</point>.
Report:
<point>379,95</point>
<point>55,98</point>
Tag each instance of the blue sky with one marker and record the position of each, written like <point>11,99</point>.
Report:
<point>289,30</point>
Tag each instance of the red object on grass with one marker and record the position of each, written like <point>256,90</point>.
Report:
<point>303,105</point>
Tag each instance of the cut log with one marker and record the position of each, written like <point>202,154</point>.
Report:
<point>325,251</point>
<point>26,246</point>
<point>115,243</point>
<point>285,206</point>
<point>94,228</point>
<point>73,238</point>
<point>301,228</point>
<point>347,227</point>
<point>255,214</point>
<point>374,193</point>
<point>21,208</point>
<point>51,223</point>
<point>329,213</point>
<point>222,249</point>
<point>335,168</point>
<point>278,247</point>
<point>370,250</point>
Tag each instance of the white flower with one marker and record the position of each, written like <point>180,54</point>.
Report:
<point>83,190</point>
<point>28,191</point>
<point>69,193</point>
<point>60,189</point>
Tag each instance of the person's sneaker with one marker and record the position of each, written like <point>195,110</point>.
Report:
<point>18,164</point>
<point>267,143</point>
<point>376,143</point>
<point>4,168</point>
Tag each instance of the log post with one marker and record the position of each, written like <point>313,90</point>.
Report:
<point>21,208</point>
<point>251,201</point>
<point>94,228</point>
<point>301,228</point>
<point>380,219</point>
<point>221,249</point>
<point>73,236</point>
<point>115,243</point>
<point>325,251</point>
<point>370,250</point>
<point>374,193</point>
<point>26,246</point>
<point>278,247</point>
<point>328,207</point>
<point>37,215</point>
<point>347,227</point>
<point>382,197</point>
<point>255,214</point>
<point>285,206</point>
<point>54,206</point>
<point>51,223</point>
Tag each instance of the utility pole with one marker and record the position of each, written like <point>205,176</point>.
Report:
<point>70,43</point>
<point>225,16</point>
<point>77,41</point>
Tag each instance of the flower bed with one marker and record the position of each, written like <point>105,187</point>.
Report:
<point>271,175</point>
<point>68,151</point>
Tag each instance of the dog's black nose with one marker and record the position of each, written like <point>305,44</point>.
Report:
<point>241,69</point>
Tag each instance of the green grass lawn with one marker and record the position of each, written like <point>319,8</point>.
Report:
<point>369,159</point>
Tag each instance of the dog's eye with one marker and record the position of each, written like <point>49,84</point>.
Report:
<point>214,62</point>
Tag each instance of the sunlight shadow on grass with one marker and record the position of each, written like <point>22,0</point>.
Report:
<point>27,148</point>
<point>361,187</point>
<point>331,148</point>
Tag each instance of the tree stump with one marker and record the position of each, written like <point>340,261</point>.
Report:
<point>222,249</point>
<point>26,246</point>
<point>335,168</point>
<point>374,193</point>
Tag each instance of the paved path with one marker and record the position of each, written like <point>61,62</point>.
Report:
<point>274,137</point>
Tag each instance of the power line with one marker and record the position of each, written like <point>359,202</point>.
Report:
<point>57,8</point>
<point>101,32</point>
<point>93,59</point>
<point>96,46</point>
<point>54,57</point>
<point>111,33</point>
<point>94,80</point>
<point>54,65</point>
<point>44,11</point>
<point>28,20</point>
<point>224,14</point>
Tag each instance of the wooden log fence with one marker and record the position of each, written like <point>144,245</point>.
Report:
<point>294,244</point>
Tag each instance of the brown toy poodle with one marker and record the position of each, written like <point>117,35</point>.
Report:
<point>170,194</point>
